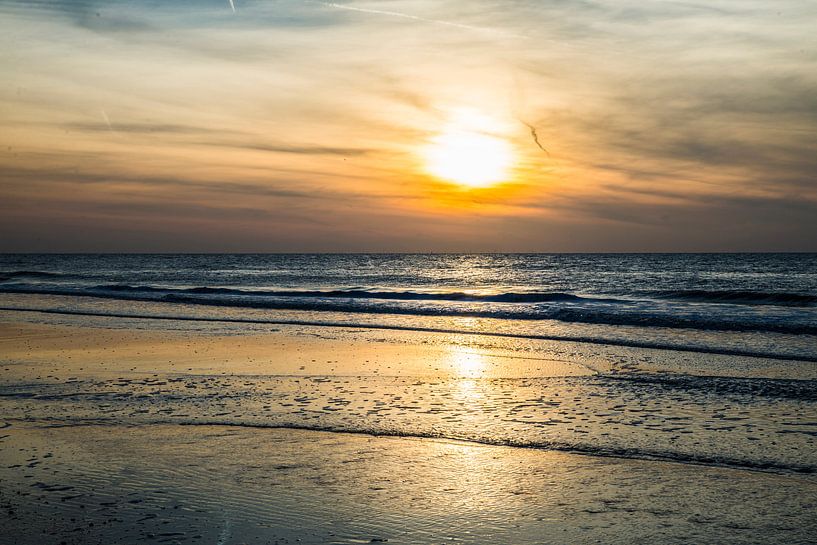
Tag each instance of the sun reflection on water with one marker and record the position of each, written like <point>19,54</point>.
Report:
<point>467,363</point>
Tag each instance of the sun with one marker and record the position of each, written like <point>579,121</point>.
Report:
<point>469,152</point>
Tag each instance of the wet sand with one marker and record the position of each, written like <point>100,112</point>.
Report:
<point>123,435</point>
<point>211,484</point>
<point>304,351</point>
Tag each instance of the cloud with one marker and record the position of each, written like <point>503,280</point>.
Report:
<point>665,120</point>
<point>299,150</point>
<point>139,128</point>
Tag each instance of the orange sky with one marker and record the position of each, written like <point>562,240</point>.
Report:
<point>313,126</point>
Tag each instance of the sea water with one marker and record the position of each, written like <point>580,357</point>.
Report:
<point>739,330</point>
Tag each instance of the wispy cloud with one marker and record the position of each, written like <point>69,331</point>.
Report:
<point>417,18</point>
<point>298,150</point>
<point>137,128</point>
<point>666,122</point>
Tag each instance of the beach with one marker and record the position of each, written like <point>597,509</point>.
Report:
<point>134,419</point>
<point>217,484</point>
<point>116,435</point>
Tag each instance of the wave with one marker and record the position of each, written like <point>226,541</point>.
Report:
<point>562,314</point>
<point>574,448</point>
<point>507,297</point>
<point>317,323</point>
<point>606,314</point>
<point>585,449</point>
<point>12,275</point>
<point>737,297</point>
<point>564,307</point>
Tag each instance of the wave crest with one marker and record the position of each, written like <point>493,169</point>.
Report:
<point>739,297</point>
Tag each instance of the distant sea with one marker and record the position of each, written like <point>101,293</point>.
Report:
<point>745,304</point>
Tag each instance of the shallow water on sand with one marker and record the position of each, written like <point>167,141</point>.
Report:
<point>211,484</point>
<point>702,420</point>
<point>578,397</point>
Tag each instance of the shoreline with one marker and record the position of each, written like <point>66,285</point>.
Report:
<point>418,329</point>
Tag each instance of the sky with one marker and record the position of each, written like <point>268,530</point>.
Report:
<point>408,126</point>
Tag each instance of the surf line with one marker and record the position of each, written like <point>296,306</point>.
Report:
<point>501,334</point>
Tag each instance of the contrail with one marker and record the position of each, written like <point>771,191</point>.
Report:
<point>412,17</point>
<point>535,136</point>
<point>107,121</point>
<point>232,5</point>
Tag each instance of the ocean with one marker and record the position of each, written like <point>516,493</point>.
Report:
<point>696,358</point>
<point>752,304</point>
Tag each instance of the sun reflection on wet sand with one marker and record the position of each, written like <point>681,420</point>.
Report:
<point>468,366</point>
<point>279,485</point>
<point>467,363</point>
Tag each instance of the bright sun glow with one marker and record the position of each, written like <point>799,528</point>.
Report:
<point>467,151</point>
